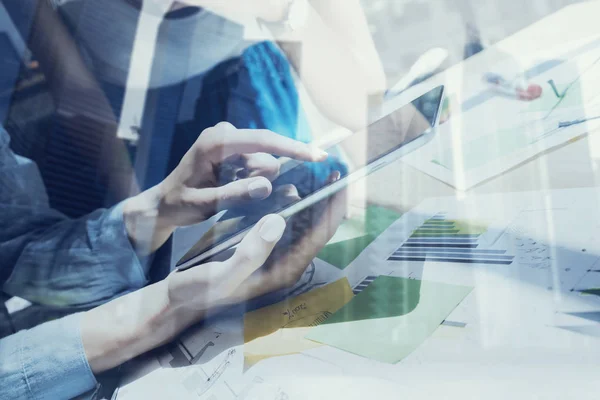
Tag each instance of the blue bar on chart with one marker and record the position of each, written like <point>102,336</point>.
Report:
<point>452,241</point>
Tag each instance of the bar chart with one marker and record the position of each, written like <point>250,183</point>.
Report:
<point>444,240</point>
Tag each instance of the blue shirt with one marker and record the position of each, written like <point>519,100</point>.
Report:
<point>53,260</point>
<point>46,362</point>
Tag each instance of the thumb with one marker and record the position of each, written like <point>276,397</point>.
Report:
<point>255,249</point>
<point>210,284</point>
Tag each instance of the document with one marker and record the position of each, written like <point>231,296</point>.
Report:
<point>390,318</point>
<point>498,133</point>
<point>279,329</point>
<point>355,234</point>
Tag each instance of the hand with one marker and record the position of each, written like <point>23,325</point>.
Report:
<point>261,264</point>
<point>288,261</point>
<point>224,167</point>
<point>193,192</point>
<point>138,322</point>
<point>135,323</point>
<point>207,286</point>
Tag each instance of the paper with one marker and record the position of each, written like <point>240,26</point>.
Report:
<point>541,242</point>
<point>317,274</point>
<point>500,133</point>
<point>549,101</point>
<point>442,240</point>
<point>354,235</point>
<point>279,329</point>
<point>563,226</point>
<point>548,242</point>
<point>575,81</point>
<point>207,381</point>
<point>390,318</point>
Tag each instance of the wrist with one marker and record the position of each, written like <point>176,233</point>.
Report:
<point>162,322</point>
<point>146,227</point>
<point>127,327</point>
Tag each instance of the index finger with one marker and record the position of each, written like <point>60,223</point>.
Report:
<point>244,141</point>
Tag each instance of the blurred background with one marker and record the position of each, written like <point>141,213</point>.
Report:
<point>404,29</point>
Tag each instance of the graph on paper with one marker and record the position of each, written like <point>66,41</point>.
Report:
<point>499,134</point>
<point>445,240</point>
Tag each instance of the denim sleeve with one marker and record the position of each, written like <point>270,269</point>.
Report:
<point>46,362</point>
<point>50,259</point>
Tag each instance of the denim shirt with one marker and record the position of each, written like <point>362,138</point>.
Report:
<point>46,362</point>
<point>52,260</point>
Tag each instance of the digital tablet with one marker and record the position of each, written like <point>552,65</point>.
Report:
<point>354,157</point>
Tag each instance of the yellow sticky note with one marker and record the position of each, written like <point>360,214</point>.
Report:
<point>279,329</point>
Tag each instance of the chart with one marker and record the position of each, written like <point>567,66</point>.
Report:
<point>443,240</point>
<point>549,240</point>
<point>390,318</point>
<point>500,133</point>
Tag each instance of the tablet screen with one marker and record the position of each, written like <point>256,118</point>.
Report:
<point>299,180</point>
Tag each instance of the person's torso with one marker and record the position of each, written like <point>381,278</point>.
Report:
<point>190,41</point>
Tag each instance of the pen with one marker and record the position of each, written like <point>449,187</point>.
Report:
<point>565,124</point>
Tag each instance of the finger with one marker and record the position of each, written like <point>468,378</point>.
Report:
<point>211,284</point>
<point>228,172</point>
<point>253,164</point>
<point>334,177</point>
<point>261,164</point>
<point>254,250</point>
<point>286,194</point>
<point>224,141</point>
<point>223,197</point>
<point>286,270</point>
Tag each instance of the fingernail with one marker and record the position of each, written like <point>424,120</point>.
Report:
<point>259,189</point>
<point>336,176</point>
<point>319,154</point>
<point>272,229</point>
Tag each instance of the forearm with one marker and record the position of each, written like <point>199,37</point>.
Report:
<point>347,19</point>
<point>131,325</point>
<point>332,74</point>
<point>341,73</point>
